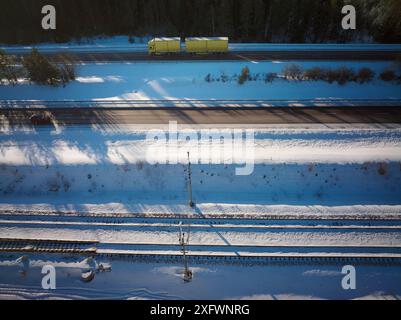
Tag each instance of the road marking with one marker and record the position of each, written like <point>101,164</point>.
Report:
<point>247,59</point>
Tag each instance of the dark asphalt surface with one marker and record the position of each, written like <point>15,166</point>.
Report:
<point>208,116</point>
<point>238,55</point>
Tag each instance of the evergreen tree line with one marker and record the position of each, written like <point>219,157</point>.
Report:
<point>242,20</point>
<point>37,69</point>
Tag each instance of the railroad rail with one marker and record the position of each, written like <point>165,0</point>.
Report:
<point>206,218</point>
<point>47,246</point>
<point>245,252</point>
<point>24,246</point>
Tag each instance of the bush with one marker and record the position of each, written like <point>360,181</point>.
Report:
<point>256,77</point>
<point>42,71</point>
<point>331,75</point>
<point>293,71</point>
<point>388,75</point>
<point>9,72</point>
<point>244,77</point>
<point>224,77</point>
<point>341,75</point>
<point>208,78</point>
<point>345,75</point>
<point>382,169</point>
<point>315,74</point>
<point>270,77</point>
<point>365,75</point>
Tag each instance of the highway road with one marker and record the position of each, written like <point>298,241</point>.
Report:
<point>245,51</point>
<point>209,116</point>
<point>234,56</point>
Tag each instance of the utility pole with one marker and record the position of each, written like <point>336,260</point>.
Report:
<point>191,203</point>
<point>184,242</point>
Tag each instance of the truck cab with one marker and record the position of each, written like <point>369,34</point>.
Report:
<point>159,46</point>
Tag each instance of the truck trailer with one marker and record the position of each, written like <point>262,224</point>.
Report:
<point>164,45</point>
<point>202,45</point>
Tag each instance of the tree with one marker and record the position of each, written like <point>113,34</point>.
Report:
<point>42,71</point>
<point>244,76</point>
<point>315,74</point>
<point>365,75</point>
<point>343,75</point>
<point>293,71</point>
<point>251,20</point>
<point>386,22</point>
<point>9,71</point>
<point>388,75</point>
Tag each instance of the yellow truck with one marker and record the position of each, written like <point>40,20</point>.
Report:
<point>164,46</point>
<point>201,45</point>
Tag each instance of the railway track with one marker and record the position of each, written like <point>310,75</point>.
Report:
<point>334,219</point>
<point>156,247</point>
<point>76,248</point>
<point>204,223</point>
<point>47,246</point>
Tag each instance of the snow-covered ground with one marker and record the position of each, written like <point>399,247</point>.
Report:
<point>111,185</point>
<point>94,184</point>
<point>186,80</point>
<point>128,280</point>
<point>119,170</point>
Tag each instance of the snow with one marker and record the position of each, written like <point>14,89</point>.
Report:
<point>127,146</point>
<point>226,240</point>
<point>164,281</point>
<point>313,192</point>
<point>105,170</point>
<point>73,206</point>
<point>186,81</point>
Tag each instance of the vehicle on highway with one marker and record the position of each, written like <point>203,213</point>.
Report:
<point>206,45</point>
<point>164,45</point>
<point>195,45</point>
